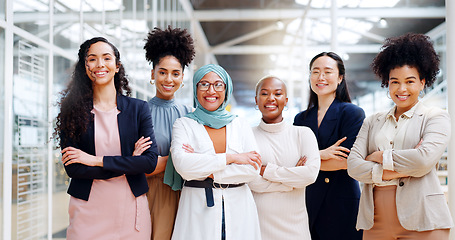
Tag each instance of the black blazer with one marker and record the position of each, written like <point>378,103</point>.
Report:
<point>134,121</point>
<point>332,201</point>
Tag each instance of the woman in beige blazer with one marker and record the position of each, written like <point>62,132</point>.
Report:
<point>396,152</point>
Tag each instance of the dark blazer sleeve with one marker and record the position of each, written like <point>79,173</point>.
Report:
<point>81,171</point>
<point>351,122</point>
<point>134,121</point>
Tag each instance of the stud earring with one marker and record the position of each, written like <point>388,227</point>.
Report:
<point>388,95</point>
<point>183,84</point>
<point>152,81</point>
<point>256,107</point>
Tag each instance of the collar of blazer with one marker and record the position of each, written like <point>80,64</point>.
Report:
<point>420,110</point>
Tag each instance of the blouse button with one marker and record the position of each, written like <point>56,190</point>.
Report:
<point>391,142</point>
<point>327,180</point>
<point>396,127</point>
<point>401,184</point>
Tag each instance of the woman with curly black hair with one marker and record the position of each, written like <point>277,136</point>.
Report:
<point>396,152</point>
<point>98,127</point>
<point>170,51</point>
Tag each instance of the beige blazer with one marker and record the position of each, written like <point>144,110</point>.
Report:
<point>421,205</point>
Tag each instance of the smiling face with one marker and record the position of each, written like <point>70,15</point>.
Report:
<point>271,99</point>
<point>100,64</point>
<point>324,77</point>
<point>168,76</point>
<point>210,99</point>
<point>404,87</point>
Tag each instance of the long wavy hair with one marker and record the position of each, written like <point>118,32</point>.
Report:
<point>342,92</point>
<point>77,100</point>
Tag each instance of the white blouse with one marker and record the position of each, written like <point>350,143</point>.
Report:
<point>390,137</point>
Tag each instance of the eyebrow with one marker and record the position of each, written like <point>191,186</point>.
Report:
<point>216,80</point>
<point>410,77</point>
<point>277,89</point>
<point>104,54</point>
<point>330,68</point>
<point>161,68</point>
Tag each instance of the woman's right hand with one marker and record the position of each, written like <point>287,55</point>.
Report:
<point>253,158</point>
<point>141,145</point>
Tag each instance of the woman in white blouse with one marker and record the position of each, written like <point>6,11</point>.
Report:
<point>396,152</point>
<point>215,153</point>
<point>290,158</point>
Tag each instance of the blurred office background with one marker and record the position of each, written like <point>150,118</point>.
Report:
<point>39,40</point>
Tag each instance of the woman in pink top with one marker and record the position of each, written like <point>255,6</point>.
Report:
<point>98,128</point>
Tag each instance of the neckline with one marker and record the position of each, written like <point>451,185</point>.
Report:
<point>272,127</point>
<point>102,111</point>
<point>162,102</point>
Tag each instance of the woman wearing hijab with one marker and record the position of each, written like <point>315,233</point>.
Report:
<point>215,202</point>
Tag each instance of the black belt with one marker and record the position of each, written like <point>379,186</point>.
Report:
<point>208,184</point>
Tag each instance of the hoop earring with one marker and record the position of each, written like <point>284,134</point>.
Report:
<point>422,94</point>
<point>285,108</point>
<point>256,107</point>
<point>183,84</point>
<point>152,81</point>
<point>388,95</point>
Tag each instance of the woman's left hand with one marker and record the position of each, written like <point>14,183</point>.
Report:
<point>73,155</point>
<point>301,161</point>
<point>188,148</point>
<point>375,157</point>
<point>141,145</point>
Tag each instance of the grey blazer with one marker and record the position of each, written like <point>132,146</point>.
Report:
<point>421,205</point>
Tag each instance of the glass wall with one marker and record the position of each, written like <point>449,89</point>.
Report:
<point>60,199</point>
<point>66,24</point>
<point>40,203</point>
<point>2,9</point>
<point>33,17</point>
<point>30,138</point>
<point>2,105</point>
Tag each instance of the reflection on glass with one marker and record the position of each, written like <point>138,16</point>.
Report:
<point>30,139</point>
<point>2,66</point>
<point>2,9</point>
<point>33,17</point>
<point>62,73</point>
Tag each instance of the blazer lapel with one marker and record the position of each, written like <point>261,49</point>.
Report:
<point>329,124</point>
<point>311,120</point>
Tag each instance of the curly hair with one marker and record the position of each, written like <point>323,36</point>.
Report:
<point>77,100</point>
<point>341,93</point>
<point>411,49</point>
<point>169,42</point>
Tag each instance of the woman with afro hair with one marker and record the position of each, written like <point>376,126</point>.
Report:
<point>396,152</point>
<point>170,51</point>
<point>98,127</point>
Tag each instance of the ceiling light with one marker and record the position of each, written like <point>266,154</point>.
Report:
<point>382,23</point>
<point>280,25</point>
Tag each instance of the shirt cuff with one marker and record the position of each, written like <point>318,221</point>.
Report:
<point>269,171</point>
<point>218,175</point>
<point>387,160</point>
<point>377,173</point>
